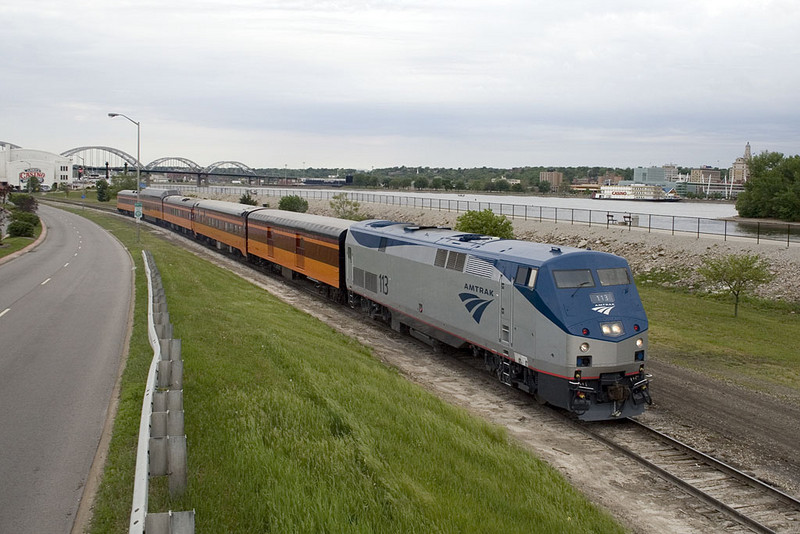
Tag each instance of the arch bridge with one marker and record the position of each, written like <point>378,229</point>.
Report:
<point>95,158</point>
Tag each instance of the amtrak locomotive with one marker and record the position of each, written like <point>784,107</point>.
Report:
<point>562,323</point>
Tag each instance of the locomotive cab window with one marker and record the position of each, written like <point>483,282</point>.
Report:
<point>526,276</point>
<point>613,277</point>
<point>573,278</point>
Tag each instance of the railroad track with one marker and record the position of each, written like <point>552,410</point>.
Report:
<point>741,498</point>
<point>747,503</point>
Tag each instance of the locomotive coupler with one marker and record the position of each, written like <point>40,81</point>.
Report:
<point>641,391</point>
<point>580,401</point>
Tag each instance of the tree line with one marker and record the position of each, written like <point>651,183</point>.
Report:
<point>773,189</point>
<point>518,179</point>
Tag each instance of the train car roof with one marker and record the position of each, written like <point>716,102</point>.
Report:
<point>177,199</point>
<point>318,224</point>
<point>127,192</point>
<point>476,244</point>
<point>158,193</point>
<point>228,208</point>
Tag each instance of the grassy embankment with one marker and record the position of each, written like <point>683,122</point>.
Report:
<point>755,350</point>
<point>293,427</point>
<point>11,245</point>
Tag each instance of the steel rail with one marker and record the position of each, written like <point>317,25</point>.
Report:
<point>731,512</point>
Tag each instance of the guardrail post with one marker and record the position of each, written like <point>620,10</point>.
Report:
<point>162,440</point>
<point>170,522</point>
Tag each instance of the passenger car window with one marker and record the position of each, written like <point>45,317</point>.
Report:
<point>613,277</point>
<point>573,278</point>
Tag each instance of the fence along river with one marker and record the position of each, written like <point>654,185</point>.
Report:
<point>688,217</point>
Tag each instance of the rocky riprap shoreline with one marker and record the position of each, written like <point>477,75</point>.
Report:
<point>673,259</point>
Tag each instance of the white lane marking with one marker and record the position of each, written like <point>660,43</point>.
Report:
<point>66,264</point>
<point>2,313</point>
<point>43,283</point>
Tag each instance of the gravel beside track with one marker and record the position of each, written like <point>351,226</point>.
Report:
<point>757,433</point>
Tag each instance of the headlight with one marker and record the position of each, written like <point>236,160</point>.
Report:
<point>639,343</point>
<point>612,329</point>
<point>584,347</point>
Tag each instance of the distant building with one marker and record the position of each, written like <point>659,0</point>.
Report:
<point>706,174</point>
<point>670,172</point>
<point>18,165</point>
<point>740,171</point>
<point>649,175</point>
<point>553,177</point>
<point>610,178</point>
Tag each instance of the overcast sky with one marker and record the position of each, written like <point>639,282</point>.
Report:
<point>453,83</point>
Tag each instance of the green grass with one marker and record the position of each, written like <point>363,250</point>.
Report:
<point>756,349</point>
<point>11,245</point>
<point>293,427</point>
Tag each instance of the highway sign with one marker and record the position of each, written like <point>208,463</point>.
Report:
<point>137,210</point>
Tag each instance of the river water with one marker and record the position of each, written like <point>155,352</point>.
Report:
<point>687,217</point>
<point>702,209</point>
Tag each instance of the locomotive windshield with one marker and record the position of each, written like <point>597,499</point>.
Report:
<point>613,277</point>
<point>573,278</point>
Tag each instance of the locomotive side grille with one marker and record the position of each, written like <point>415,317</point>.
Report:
<point>358,277</point>
<point>479,267</point>
<point>456,260</point>
<point>371,282</point>
<point>441,258</point>
<point>365,279</point>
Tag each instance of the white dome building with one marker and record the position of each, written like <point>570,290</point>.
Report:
<point>17,165</point>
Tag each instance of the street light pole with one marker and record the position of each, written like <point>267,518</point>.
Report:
<point>138,148</point>
<point>138,160</point>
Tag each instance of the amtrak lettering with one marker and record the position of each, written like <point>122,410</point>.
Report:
<point>479,290</point>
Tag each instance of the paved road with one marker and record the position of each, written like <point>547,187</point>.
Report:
<point>63,320</point>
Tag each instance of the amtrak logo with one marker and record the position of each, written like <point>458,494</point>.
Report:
<point>474,304</point>
<point>605,309</point>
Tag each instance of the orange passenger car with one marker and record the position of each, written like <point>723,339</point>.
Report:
<point>223,223</point>
<point>178,213</point>
<point>126,201</point>
<point>153,203</point>
<point>311,245</point>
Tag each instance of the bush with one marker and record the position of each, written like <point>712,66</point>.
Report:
<point>24,201</point>
<point>25,216</point>
<point>344,208</point>
<point>247,199</point>
<point>485,222</point>
<point>120,182</point>
<point>20,229</point>
<point>293,203</point>
<point>102,191</point>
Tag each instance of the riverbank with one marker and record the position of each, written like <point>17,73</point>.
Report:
<point>672,257</point>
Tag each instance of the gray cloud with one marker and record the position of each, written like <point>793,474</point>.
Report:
<point>374,83</point>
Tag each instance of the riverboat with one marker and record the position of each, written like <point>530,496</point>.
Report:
<point>648,192</point>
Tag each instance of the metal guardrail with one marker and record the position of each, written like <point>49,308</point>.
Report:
<point>760,231</point>
<point>162,440</point>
